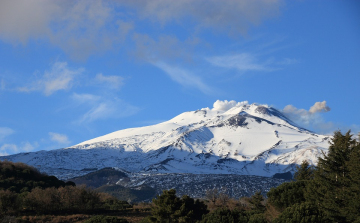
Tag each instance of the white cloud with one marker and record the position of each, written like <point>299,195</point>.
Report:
<point>241,62</point>
<point>59,138</point>
<point>114,82</point>
<point>8,149</point>
<point>226,105</point>
<point>184,77</point>
<point>85,98</point>
<point>5,132</point>
<point>100,108</point>
<point>60,77</point>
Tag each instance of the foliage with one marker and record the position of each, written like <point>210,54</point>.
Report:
<point>301,213</point>
<point>256,203</point>
<point>328,193</point>
<point>304,171</point>
<point>169,208</point>
<point>62,200</point>
<point>257,218</point>
<point>224,215</point>
<point>353,195</point>
<point>9,202</point>
<point>332,182</point>
<point>287,194</point>
<point>105,219</point>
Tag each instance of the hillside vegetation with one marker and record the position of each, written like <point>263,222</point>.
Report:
<point>19,177</point>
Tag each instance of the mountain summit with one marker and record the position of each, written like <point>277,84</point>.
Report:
<point>231,138</point>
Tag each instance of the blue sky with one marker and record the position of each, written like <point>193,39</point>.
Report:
<point>74,70</point>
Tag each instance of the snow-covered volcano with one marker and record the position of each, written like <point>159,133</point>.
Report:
<point>241,139</point>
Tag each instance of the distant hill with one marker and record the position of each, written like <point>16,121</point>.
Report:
<point>19,177</point>
<point>105,180</point>
<point>99,178</point>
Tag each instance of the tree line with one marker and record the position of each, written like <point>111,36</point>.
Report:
<point>329,192</point>
<point>26,191</point>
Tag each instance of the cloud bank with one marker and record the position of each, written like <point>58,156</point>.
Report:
<point>232,16</point>
<point>80,28</point>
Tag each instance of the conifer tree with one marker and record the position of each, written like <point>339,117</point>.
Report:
<point>304,171</point>
<point>168,208</point>
<point>256,202</point>
<point>353,195</point>
<point>165,206</point>
<point>331,182</point>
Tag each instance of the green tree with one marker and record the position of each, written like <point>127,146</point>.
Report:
<point>165,206</point>
<point>330,187</point>
<point>168,208</point>
<point>287,194</point>
<point>257,218</point>
<point>223,215</point>
<point>190,210</point>
<point>301,213</point>
<point>256,203</point>
<point>304,171</point>
<point>353,195</point>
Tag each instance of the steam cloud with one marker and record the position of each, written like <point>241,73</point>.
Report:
<point>306,117</point>
<point>226,105</point>
<point>319,107</point>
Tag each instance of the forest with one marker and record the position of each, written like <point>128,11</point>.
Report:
<point>328,192</point>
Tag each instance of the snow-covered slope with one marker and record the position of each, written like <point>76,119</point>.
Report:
<point>242,139</point>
